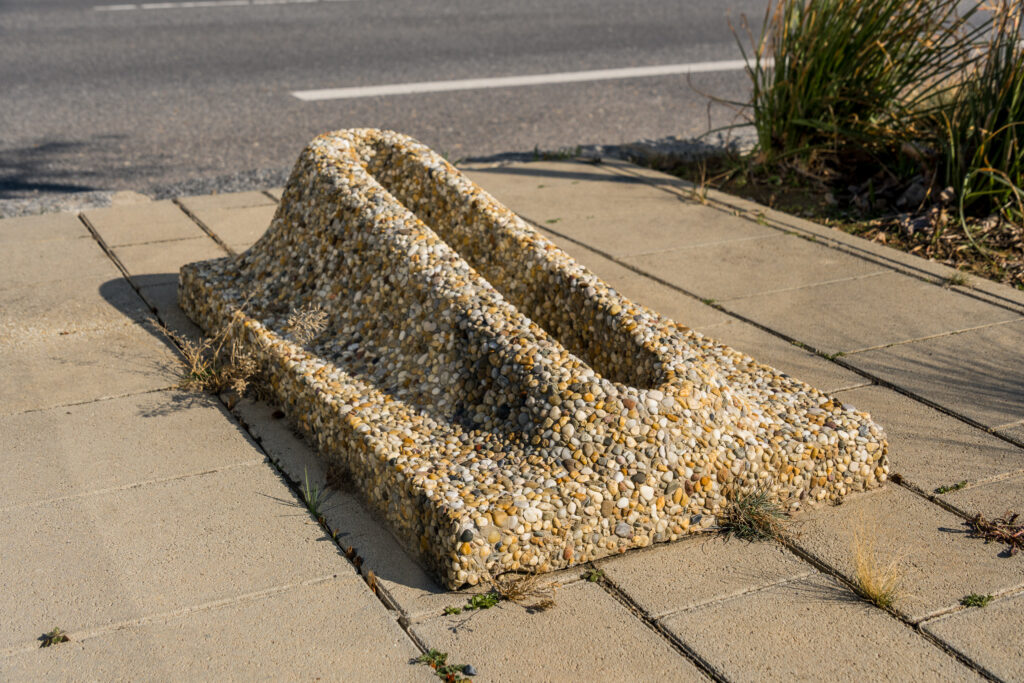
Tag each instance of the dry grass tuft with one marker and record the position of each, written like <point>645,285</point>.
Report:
<point>877,583</point>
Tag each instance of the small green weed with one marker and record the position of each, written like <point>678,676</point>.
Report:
<point>53,637</point>
<point>450,609</point>
<point>483,601</point>
<point>438,661</point>
<point>952,487</point>
<point>552,221</point>
<point>593,575</point>
<point>753,516</point>
<point>313,496</point>
<point>975,600</point>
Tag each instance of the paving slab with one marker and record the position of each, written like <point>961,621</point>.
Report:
<point>670,302</point>
<point>930,449</point>
<point>158,221</point>
<point>992,499</point>
<point>868,312</point>
<point>150,264</point>
<point>671,577</point>
<point>778,353</point>
<point>85,366</point>
<point>773,263</point>
<point>69,451</point>
<point>95,561</point>
<point>977,373</point>
<point>309,637</point>
<point>938,561</point>
<point>64,307</point>
<point>231,200</point>
<point>38,262</point>
<point>611,214</point>
<point>276,193</point>
<point>50,226</point>
<point>587,636</point>
<point>810,629</point>
<point>239,227</point>
<point>989,636</point>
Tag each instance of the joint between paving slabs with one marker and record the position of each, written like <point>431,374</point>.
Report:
<point>204,227</point>
<point>939,335</point>
<point>653,624</point>
<point>133,485</point>
<point>937,498</point>
<point>165,617</point>
<point>957,609</point>
<point>109,252</point>
<point>715,600</point>
<point>91,400</point>
<point>762,219</point>
<point>920,399</point>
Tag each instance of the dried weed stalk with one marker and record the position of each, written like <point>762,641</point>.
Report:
<point>526,589</point>
<point>1003,529</point>
<point>220,363</point>
<point>215,364</point>
<point>305,323</point>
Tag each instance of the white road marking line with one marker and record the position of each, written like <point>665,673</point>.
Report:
<point>194,4</point>
<point>518,81</point>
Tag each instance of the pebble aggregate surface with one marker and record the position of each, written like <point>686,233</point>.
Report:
<point>502,407</point>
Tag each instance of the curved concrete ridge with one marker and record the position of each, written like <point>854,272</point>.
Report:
<point>499,404</point>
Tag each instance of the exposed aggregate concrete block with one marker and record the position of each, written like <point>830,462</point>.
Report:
<point>496,402</point>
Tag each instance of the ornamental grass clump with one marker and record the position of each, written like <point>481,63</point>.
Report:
<point>899,120</point>
<point>983,144</point>
<point>841,82</point>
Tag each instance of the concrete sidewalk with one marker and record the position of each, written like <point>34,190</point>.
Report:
<point>165,533</point>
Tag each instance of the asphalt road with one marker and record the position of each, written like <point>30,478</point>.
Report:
<point>156,99</point>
